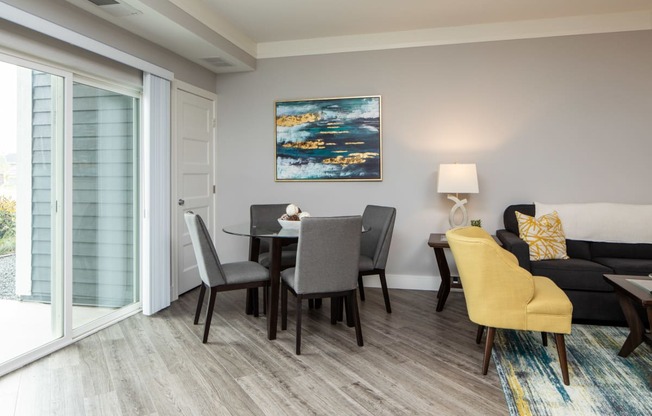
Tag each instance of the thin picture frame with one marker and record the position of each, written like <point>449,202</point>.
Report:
<point>328,139</point>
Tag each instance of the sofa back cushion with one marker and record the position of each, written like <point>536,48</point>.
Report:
<point>509,216</point>
<point>621,250</point>
<point>577,249</point>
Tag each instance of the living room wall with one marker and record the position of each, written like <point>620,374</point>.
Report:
<point>565,119</point>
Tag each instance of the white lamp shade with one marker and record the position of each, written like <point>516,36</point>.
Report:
<point>457,178</point>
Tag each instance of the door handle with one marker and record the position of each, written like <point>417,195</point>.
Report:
<point>181,202</point>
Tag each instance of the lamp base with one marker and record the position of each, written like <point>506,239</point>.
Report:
<point>459,205</point>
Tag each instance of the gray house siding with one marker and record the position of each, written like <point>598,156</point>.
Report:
<point>103,199</point>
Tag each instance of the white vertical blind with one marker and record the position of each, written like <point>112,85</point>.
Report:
<point>156,243</point>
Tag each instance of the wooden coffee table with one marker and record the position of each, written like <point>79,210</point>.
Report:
<point>629,295</point>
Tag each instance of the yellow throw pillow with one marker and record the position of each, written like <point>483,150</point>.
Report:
<point>544,235</point>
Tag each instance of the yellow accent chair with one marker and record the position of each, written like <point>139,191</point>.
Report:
<point>501,294</point>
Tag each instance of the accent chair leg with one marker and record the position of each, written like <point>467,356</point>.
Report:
<point>544,338</point>
<point>200,302</point>
<point>356,318</point>
<point>284,306</point>
<point>335,309</point>
<point>383,284</point>
<point>209,313</point>
<point>563,362</point>
<point>298,331</point>
<point>348,305</point>
<point>478,335</point>
<point>361,286</point>
<point>487,350</point>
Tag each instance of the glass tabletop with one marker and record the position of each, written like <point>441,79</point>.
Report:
<point>261,231</point>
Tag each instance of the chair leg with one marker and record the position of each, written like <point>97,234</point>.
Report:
<point>265,297</point>
<point>563,362</point>
<point>487,350</point>
<point>544,338</point>
<point>254,301</point>
<point>200,302</point>
<point>478,335</point>
<point>318,303</point>
<point>361,287</point>
<point>209,314</point>
<point>383,284</point>
<point>284,306</point>
<point>348,305</point>
<point>298,331</point>
<point>356,318</point>
<point>335,308</point>
<point>249,308</point>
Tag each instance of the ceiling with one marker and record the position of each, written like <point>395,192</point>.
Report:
<point>232,34</point>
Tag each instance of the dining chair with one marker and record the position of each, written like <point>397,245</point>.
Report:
<point>215,276</point>
<point>327,267</point>
<point>501,294</point>
<point>374,246</point>
<point>266,215</point>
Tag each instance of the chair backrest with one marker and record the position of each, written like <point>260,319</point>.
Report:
<point>266,214</point>
<point>328,254</point>
<point>497,290</point>
<point>208,263</point>
<point>375,242</point>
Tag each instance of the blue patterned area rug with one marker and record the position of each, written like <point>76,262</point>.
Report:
<point>601,382</point>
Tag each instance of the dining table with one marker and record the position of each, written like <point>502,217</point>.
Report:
<point>278,237</point>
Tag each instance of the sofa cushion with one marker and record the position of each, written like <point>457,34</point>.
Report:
<point>626,266</point>
<point>544,235</point>
<point>621,250</point>
<point>577,249</point>
<point>509,216</point>
<point>574,274</point>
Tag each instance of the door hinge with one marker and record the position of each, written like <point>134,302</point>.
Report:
<point>213,188</point>
<point>214,123</point>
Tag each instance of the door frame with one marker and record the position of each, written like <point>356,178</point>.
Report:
<point>184,86</point>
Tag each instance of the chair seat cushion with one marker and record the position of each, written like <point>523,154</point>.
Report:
<point>287,276</point>
<point>365,264</point>
<point>244,272</point>
<point>288,258</point>
<point>549,310</point>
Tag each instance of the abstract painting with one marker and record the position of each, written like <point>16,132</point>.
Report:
<point>329,139</point>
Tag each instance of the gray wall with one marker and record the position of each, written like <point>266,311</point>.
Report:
<point>564,119</point>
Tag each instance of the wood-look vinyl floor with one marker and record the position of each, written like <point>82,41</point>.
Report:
<point>414,361</point>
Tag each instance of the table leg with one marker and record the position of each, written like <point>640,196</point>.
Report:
<point>254,248</point>
<point>635,323</point>
<point>445,273</point>
<point>275,279</point>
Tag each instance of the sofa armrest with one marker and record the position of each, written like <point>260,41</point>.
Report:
<point>515,245</point>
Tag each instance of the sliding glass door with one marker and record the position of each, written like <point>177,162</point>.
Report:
<point>68,206</point>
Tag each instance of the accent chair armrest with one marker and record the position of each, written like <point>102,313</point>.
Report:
<point>515,245</point>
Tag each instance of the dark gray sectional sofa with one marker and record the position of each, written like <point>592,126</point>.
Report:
<point>581,276</point>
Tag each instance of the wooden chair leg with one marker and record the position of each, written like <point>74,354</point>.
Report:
<point>284,306</point>
<point>356,318</point>
<point>383,284</point>
<point>249,304</point>
<point>254,301</point>
<point>209,313</point>
<point>200,302</point>
<point>348,305</point>
<point>318,303</point>
<point>361,287</point>
<point>563,362</point>
<point>265,297</point>
<point>298,331</point>
<point>487,350</point>
<point>335,309</point>
<point>544,338</point>
<point>478,335</point>
<point>311,303</point>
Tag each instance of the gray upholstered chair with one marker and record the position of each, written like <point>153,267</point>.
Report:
<point>215,276</point>
<point>327,267</point>
<point>262,215</point>
<point>375,246</point>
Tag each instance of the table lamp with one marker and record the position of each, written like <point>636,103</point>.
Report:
<point>457,178</point>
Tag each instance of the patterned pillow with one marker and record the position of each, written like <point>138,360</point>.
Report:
<point>544,235</point>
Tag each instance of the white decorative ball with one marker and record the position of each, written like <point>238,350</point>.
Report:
<point>292,210</point>
<point>304,215</point>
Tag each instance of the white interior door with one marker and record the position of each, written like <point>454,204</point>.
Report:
<point>195,145</point>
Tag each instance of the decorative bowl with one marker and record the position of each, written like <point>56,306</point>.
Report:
<point>293,225</point>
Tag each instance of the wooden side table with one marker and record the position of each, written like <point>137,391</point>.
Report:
<point>438,243</point>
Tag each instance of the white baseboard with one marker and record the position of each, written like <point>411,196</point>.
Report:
<point>398,281</point>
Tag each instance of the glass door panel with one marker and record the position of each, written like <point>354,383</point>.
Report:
<point>31,284</point>
<point>104,180</point>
